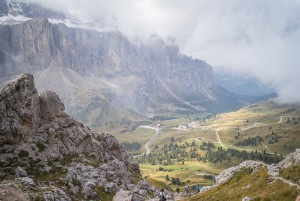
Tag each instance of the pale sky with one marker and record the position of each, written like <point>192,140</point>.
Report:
<point>260,38</point>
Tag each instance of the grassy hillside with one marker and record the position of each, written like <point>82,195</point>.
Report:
<point>264,131</point>
<point>103,116</point>
<point>258,185</point>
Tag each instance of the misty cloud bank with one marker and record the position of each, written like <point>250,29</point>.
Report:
<point>260,38</point>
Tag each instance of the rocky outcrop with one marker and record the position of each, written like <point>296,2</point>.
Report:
<point>291,159</point>
<point>38,136</point>
<point>18,105</point>
<point>228,173</point>
<point>20,172</point>
<point>27,117</point>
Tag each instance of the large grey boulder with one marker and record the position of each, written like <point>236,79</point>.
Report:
<point>20,172</point>
<point>28,183</point>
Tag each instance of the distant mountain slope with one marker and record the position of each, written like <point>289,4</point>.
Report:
<point>84,65</point>
<point>238,84</point>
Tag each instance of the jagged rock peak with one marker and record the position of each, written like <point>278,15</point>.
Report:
<point>27,117</point>
<point>36,129</point>
<point>17,103</point>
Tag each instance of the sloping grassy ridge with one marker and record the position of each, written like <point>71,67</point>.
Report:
<point>259,186</point>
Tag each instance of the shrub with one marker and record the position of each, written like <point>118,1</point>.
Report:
<point>23,154</point>
<point>41,147</point>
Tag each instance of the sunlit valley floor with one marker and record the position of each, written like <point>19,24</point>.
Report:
<point>194,149</point>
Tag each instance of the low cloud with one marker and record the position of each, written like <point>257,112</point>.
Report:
<point>259,38</point>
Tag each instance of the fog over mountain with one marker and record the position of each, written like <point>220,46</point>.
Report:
<point>258,38</point>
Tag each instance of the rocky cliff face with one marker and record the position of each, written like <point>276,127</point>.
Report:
<point>105,71</point>
<point>49,149</point>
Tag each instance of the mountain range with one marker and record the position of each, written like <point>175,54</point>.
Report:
<point>105,79</point>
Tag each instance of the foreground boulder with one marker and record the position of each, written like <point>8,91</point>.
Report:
<point>38,140</point>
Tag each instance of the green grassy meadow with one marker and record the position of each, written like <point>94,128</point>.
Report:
<point>261,119</point>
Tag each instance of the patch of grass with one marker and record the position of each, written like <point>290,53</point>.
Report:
<point>66,160</point>
<point>136,177</point>
<point>258,186</point>
<point>57,173</point>
<point>36,196</point>
<point>78,195</point>
<point>156,183</point>
<point>41,146</point>
<point>189,171</point>
<point>9,167</point>
<point>93,161</point>
<point>291,173</point>
<point>102,195</point>
<point>23,154</point>
<point>35,168</point>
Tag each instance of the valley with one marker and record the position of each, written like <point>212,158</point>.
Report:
<point>266,127</point>
<point>89,111</point>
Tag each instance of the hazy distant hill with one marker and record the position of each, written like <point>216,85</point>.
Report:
<point>239,84</point>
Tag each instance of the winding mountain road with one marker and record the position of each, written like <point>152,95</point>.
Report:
<point>244,129</point>
<point>255,124</point>
<point>157,132</point>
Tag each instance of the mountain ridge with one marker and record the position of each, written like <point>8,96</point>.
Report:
<point>83,65</point>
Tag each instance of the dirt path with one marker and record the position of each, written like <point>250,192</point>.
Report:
<point>157,132</point>
<point>255,124</point>
<point>267,148</point>
<point>219,140</point>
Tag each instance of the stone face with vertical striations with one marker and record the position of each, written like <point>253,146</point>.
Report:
<point>145,77</point>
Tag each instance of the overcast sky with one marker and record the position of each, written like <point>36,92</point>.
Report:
<point>252,37</point>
